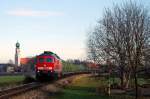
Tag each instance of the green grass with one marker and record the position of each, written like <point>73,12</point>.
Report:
<point>5,80</point>
<point>115,80</point>
<point>85,88</point>
<point>69,67</point>
<point>88,82</point>
<point>141,81</point>
<point>80,93</point>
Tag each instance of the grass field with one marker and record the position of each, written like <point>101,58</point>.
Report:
<point>11,80</point>
<point>69,67</point>
<point>84,87</point>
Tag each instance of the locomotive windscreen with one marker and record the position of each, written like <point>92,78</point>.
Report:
<point>41,60</point>
<point>49,60</point>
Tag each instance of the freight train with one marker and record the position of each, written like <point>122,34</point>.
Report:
<point>48,65</point>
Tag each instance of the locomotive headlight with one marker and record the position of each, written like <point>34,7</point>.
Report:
<point>40,67</point>
<point>50,68</point>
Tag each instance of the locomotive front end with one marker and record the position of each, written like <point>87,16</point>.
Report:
<point>44,66</point>
<point>48,66</point>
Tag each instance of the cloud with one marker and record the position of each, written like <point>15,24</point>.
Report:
<point>24,12</point>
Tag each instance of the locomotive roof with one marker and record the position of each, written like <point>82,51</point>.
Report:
<point>49,53</point>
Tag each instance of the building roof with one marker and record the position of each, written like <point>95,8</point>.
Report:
<point>25,60</point>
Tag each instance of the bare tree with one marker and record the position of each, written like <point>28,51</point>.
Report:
<point>123,36</point>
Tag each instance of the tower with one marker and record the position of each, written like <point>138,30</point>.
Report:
<point>17,54</point>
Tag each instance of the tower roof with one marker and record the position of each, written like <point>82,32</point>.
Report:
<point>17,44</point>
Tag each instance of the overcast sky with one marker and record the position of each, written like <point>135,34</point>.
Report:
<point>55,25</point>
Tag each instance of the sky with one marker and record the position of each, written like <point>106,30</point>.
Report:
<point>60,26</point>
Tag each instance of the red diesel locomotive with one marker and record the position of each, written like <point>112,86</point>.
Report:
<point>48,65</point>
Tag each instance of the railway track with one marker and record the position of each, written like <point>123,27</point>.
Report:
<point>5,94</point>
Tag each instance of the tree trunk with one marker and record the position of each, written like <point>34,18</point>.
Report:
<point>127,80</point>
<point>136,85</point>
<point>123,79</point>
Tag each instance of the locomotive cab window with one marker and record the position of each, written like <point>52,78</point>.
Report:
<point>49,60</point>
<point>41,60</point>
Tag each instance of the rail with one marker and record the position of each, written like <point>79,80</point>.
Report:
<point>4,94</point>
